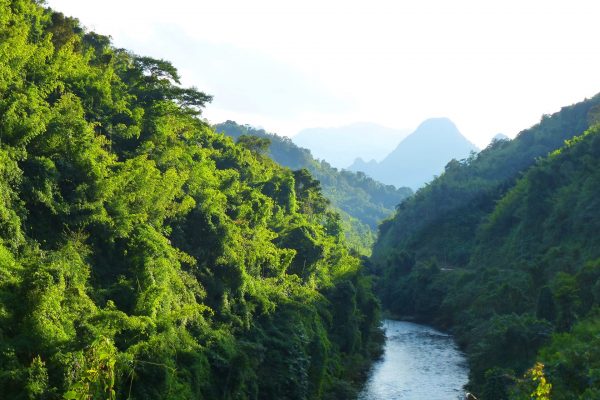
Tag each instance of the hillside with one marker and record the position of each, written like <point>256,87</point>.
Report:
<point>500,249</point>
<point>145,256</point>
<point>362,201</point>
<point>340,146</point>
<point>420,156</point>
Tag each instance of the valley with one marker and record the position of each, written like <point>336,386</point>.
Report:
<point>149,253</point>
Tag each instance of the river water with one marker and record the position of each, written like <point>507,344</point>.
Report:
<point>419,363</point>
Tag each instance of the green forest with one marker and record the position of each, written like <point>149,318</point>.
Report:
<point>361,201</point>
<point>144,255</point>
<point>503,250</point>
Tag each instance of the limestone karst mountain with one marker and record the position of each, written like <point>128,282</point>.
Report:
<point>420,156</point>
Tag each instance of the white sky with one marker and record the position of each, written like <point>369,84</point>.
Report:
<point>490,66</point>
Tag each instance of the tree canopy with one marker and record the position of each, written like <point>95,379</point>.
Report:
<point>145,256</point>
<point>502,249</point>
<point>360,201</point>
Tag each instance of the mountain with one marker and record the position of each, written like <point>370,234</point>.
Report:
<point>420,156</point>
<point>362,201</point>
<point>144,255</point>
<point>340,146</point>
<point>502,250</point>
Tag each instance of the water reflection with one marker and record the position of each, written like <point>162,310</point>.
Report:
<point>419,363</point>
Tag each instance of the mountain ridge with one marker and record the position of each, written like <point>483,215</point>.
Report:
<point>500,249</point>
<point>144,255</point>
<point>419,156</point>
<point>362,201</point>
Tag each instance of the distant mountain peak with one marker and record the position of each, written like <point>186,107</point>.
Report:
<point>436,123</point>
<point>421,155</point>
<point>360,161</point>
<point>437,128</point>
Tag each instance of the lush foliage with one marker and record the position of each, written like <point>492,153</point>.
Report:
<point>503,249</point>
<point>361,201</point>
<point>143,255</point>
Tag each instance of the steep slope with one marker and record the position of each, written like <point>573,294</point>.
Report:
<point>420,156</point>
<point>442,218</point>
<point>505,261</point>
<point>340,146</point>
<point>363,202</point>
<point>143,255</point>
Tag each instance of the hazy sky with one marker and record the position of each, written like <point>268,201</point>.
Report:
<point>286,65</point>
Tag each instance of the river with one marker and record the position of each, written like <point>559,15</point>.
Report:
<point>419,363</point>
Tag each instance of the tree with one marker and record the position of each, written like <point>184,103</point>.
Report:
<point>255,144</point>
<point>546,308</point>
